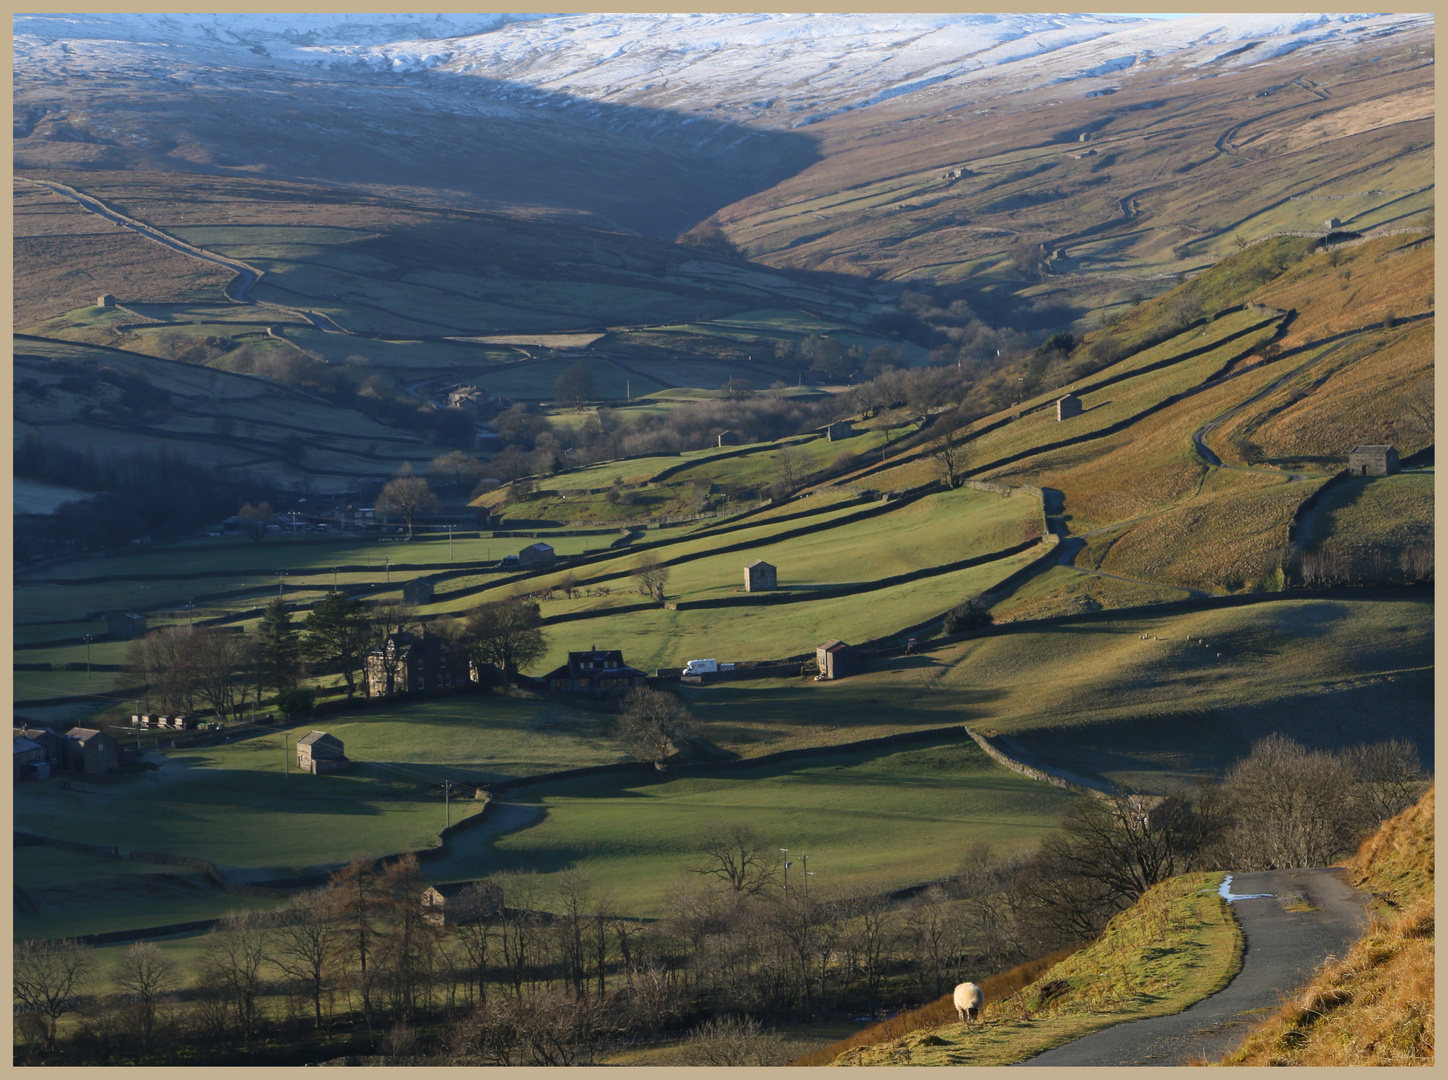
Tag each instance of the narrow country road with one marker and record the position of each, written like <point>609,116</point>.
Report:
<point>1292,921</point>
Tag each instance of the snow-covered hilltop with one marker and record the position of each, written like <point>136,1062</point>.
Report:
<point>772,70</point>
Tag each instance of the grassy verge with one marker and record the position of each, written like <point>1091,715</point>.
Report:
<point>1178,945</point>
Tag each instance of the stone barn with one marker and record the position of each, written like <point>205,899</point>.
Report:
<point>1373,461</point>
<point>461,902</point>
<point>837,660</point>
<point>1067,407</point>
<point>728,438</point>
<point>126,626</point>
<point>840,429</point>
<point>1331,223</point>
<point>86,750</point>
<point>105,300</point>
<point>319,754</point>
<point>539,554</point>
<point>418,591</point>
<point>759,575</point>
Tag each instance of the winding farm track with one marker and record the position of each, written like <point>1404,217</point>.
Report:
<point>1292,920</point>
<point>236,290</point>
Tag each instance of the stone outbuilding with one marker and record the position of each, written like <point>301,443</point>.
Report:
<point>537,555</point>
<point>840,429</point>
<point>90,752</point>
<point>728,438</point>
<point>126,626</point>
<point>319,754</point>
<point>47,739</point>
<point>415,663</point>
<point>597,671</point>
<point>837,660</point>
<point>1373,461</point>
<point>30,760</point>
<point>418,591</point>
<point>1331,223</point>
<point>105,300</point>
<point>759,575</point>
<point>1067,407</point>
<point>459,902</point>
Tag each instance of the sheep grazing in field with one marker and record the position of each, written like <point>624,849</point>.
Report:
<point>968,1002</point>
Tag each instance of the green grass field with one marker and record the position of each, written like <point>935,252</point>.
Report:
<point>884,817</point>
<point>63,892</point>
<point>1376,512</point>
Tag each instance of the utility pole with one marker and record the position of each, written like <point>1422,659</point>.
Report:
<point>87,658</point>
<point>785,852</point>
<point>334,579</point>
<point>286,754</point>
<point>807,876</point>
<point>449,543</point>
<point>389,571</point>
<point>280,575</point>
<point>446,803</point>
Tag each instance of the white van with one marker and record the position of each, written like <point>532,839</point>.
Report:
<point>700,667</point>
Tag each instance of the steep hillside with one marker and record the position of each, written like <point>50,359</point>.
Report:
<point>1375,1005</point>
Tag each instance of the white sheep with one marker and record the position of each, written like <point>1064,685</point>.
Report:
<point>969,999</point>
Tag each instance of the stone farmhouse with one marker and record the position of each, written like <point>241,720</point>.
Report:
<point>597,671</point>
<point>1373,461</point>
<point>320,754</point>
<point>759,576</point>
<point>415,663</point>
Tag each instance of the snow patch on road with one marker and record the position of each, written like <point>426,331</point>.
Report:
<point>1226,893</point>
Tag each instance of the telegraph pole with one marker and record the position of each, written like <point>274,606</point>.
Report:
<point>446,803</point>
<point>785,852</point>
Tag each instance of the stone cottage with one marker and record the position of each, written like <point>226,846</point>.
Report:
<point>597,671</point>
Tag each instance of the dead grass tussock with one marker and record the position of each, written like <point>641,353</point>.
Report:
<point>1220,544</point>
<point>1143,469</point>
<point>1370,281</point>
<point>1378,513</point>
<point>1359,401</point>
<point>1376,1005</point>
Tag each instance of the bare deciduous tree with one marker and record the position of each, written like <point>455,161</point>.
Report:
<point>738,855</point>
<point>47,977</point>
<point>652,576</point>
<point>654,724</point>
<point>305,947</point>
<point>148,977</point>
<point>734,1040</point>
<point>407,496</point>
